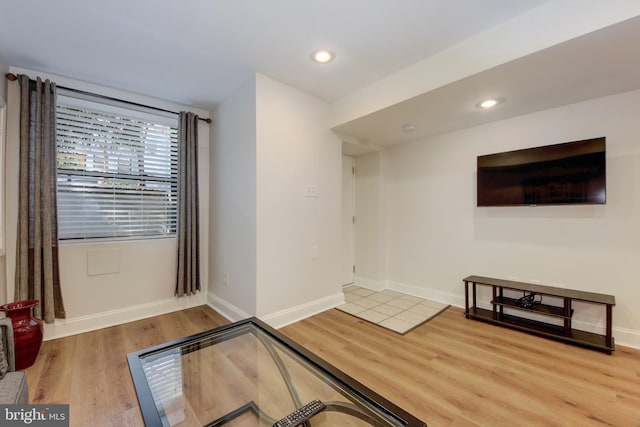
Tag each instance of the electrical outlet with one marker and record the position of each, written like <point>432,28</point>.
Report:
<point>314,252</point>
<point>225,279</point>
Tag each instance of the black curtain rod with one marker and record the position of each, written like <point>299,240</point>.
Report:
<point>13,77</point>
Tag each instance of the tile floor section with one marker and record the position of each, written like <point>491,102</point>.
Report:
<point>390,309</point>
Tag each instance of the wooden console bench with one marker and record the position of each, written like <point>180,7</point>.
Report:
<point>544,311</point>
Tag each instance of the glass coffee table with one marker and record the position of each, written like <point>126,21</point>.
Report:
<point>249,374</point>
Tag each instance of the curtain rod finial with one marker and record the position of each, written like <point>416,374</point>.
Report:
<point>208,120</point>
<point>11,77</point>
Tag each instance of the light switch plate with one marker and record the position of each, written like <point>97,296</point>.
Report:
<point>311,191</point>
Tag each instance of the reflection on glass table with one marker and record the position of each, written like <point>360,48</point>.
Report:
<point>248,374</point>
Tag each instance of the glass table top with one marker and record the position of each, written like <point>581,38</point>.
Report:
<point>248,374</point>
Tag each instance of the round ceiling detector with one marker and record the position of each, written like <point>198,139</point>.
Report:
<point>322,56</point>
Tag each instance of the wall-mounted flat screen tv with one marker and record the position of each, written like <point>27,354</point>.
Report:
<point>560,174</point>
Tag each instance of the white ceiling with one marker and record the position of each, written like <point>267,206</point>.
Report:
<point>597,64</point>
<point>196,52</point>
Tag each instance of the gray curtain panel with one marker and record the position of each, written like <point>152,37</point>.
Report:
<point>188,281</point>
<point>37,274</point>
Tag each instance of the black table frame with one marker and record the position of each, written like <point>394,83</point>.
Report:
<point>153,418</point>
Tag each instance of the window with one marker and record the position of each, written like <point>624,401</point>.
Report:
<point>117,171</point>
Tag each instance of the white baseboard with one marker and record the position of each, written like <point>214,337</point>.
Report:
<point>285,317</point>
<point>623,336</point>
<point>418,291</point>
<point>427,293</point>
<point>77,325</point>
<point>66,327</point>
<point>626,337</point>
<point>225,308</point>
<point>374,285</point>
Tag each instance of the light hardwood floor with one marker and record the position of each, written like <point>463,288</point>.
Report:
<point>449,372</point>
<point>90,372</point>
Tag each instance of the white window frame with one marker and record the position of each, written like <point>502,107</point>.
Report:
<point>87,102</point>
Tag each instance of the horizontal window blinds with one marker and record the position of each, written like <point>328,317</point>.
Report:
<point>117,172</point>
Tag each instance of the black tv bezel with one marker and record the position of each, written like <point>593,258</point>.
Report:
<point>543,148</point>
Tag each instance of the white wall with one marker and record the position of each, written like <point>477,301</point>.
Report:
<point>143,283</point>
<point>296,149</point>
<point>370,228</point>
<point>233,203</point>
<point>270,142</point>
<point>437,235</point>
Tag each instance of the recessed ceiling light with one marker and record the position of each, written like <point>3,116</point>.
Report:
<point>322,56</point>
<point>489,103</point>
<point>408,128</point>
